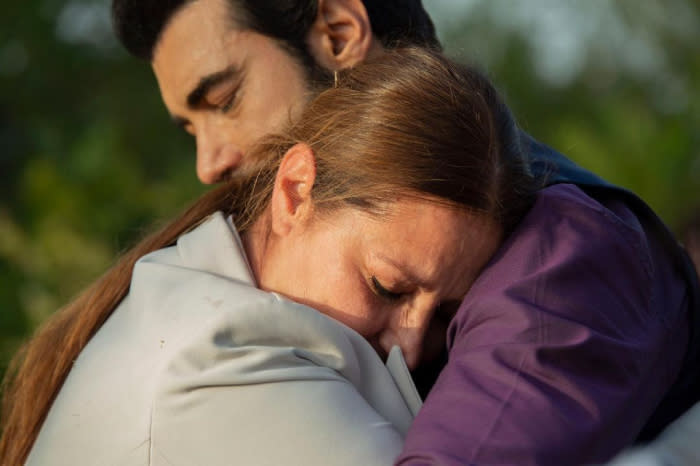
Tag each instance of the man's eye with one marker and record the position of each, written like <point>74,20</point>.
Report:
<point>228,104</point>
<point>380,290</point>
<point>230,101</point>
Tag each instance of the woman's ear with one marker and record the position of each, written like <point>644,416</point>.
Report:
<point>291,204</point>
<point>341,36</point>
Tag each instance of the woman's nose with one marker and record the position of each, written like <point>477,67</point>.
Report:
<point>408,341</point>
<point>408,333</point>
<point>216,157</point>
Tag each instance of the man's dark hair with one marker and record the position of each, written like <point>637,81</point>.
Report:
<point>139,23</point>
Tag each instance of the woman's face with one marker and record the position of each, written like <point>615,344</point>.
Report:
<point>383,277</point>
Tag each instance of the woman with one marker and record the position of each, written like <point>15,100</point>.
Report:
<point>382,204</point>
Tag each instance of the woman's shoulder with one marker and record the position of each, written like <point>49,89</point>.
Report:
<point>196,345</point>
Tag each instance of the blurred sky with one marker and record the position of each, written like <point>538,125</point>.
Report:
<point>621,36</point>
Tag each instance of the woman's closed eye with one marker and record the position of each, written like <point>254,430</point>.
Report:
<point>382,291</point>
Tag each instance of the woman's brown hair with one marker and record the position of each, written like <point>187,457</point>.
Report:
<point>410,122</point>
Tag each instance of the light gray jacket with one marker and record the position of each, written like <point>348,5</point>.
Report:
<point>199,367</point>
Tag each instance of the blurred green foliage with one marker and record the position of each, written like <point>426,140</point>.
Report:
<point>89,158</point>
<point>614,85</point>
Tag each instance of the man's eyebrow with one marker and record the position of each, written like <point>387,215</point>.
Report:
<point>207,82</point>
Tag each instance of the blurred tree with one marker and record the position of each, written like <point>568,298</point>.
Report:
<point>89,157</point>
<point>612,84</point>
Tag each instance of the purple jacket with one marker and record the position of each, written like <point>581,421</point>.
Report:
<point>562,348</point>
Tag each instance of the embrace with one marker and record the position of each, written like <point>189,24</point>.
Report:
<point>381,230</point>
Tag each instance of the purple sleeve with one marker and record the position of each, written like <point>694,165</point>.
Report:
<point>561,349</point>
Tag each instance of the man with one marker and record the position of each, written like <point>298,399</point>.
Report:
<point>572,336</point>
<point>227,86</point>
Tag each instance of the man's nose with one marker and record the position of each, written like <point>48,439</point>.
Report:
<point>216,156</point>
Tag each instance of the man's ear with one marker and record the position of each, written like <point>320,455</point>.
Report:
<point>291,204</point>
<point>341,36</point>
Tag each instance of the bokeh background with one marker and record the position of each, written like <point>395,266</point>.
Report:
<point>89,158</point>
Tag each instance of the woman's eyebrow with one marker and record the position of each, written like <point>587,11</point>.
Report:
<point>408,273</point>
<point>231,73</point>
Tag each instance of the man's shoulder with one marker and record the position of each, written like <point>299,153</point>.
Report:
<point>565,221</point>
<point>569,254</point>
<point>568,201</point>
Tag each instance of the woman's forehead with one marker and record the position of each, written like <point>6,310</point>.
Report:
<point>433,243</point>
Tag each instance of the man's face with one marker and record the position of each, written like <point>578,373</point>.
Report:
<point>225,86</point>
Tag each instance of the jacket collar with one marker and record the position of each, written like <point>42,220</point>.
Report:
<point>216,246</point>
